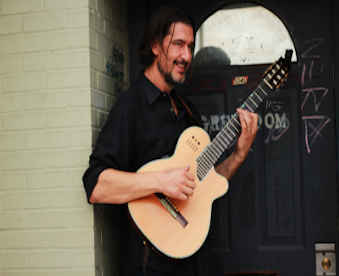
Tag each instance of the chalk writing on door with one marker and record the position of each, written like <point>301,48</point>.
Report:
<point>313,93</point>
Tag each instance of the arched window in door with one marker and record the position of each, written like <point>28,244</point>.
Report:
<point>246,33</point>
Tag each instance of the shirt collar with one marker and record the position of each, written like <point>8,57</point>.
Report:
<point>152,92</point>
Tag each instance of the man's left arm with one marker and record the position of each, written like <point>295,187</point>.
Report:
<point>249,128</point>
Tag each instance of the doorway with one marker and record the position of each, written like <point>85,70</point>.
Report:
<point>276,212</point>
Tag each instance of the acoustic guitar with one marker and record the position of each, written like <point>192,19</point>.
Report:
<point>178,228</point>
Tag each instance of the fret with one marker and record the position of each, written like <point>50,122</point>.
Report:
<point>237,121</point>
<point>201,174</point>
<point>206,167</point>
<point>258,97</point>
<point>222,139</point>
<point>255,104</point>
<point>223,136</point>
<point>206,163</point>
<point>208,158</point>
<point>268,84</point>
<point>248,106</point>
<point>251,108</point>
<point>231,131</point>
<point>215,152</point>
<point>265,93</point>
<point>227,138</point>
<point>203,166</point>
<point>212,153</point>
<point>234,127</point>
<point>216,149</point>
<point>221,142</point>
<point>231,139</point>
<point>216,142</point>
<point>201,160</point>
<point>215,158</point>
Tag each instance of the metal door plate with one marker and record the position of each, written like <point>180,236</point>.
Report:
<point>325,259</point>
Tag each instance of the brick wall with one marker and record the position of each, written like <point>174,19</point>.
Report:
<point>108,63</point>
<point>109,57</point>
<point>55,91</point>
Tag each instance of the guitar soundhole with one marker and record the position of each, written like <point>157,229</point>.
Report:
<point>193,143</point>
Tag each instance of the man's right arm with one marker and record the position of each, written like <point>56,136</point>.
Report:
<point>117,187</point>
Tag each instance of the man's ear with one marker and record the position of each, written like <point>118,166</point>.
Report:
<point>155,48</point>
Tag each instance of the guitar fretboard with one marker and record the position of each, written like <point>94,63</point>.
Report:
<point>230,132</point>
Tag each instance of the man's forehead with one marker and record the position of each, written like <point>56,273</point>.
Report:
<point>177,29</point>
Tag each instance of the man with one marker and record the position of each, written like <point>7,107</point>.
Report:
<point>144,125</point>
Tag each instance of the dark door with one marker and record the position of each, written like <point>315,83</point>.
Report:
<point>282,201</point>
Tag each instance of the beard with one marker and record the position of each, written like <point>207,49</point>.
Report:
<point>168,76</point>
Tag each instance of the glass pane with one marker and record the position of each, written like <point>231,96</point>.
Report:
<point>244,34</point>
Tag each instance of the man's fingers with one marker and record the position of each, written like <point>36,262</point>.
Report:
<point>242,117</point>
<point>189,176</point>
<point>187,191</point>
<point>248,119</point>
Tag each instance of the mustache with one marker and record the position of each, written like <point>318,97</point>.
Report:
<point>180,62</point>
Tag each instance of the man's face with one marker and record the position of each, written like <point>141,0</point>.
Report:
<point>174,55</point>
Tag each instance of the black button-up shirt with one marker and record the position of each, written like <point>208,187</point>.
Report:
<point>141,127</point>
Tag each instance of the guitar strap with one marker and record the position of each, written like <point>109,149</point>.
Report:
<point>175,109</point>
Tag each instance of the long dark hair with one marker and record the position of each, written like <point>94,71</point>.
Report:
<point>158,27</point>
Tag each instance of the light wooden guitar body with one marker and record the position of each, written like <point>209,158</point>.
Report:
<point>156,223</point>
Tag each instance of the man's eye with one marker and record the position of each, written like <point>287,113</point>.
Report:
<point>178,43</point>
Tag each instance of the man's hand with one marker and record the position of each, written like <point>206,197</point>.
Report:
<point>249,128</point>
<point>177,183</point>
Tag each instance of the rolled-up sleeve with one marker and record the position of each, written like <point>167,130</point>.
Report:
<point>114,146</point>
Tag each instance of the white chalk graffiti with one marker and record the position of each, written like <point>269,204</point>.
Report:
<point>313,126</point>
<point>314,123</point>
<point>318,94</point>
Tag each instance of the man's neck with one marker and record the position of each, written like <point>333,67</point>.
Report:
<point>153,74</point>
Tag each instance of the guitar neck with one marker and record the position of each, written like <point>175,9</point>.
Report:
<point>273,78</point>
<point>231,131</point>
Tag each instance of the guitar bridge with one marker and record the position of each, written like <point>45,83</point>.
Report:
<point>170,207</point>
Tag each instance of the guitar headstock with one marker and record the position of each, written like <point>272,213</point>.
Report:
<point>277,73</point>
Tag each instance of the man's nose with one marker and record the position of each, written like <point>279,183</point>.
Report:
<point>187,53</point>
